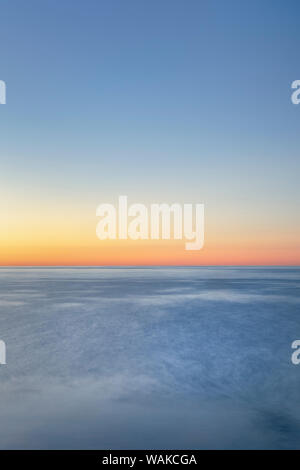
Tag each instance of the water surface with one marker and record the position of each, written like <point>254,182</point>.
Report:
<point>112,358</point>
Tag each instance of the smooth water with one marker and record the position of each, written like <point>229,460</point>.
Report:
<point>112,358</point>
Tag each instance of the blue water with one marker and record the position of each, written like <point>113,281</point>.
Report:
<point>189,358</point>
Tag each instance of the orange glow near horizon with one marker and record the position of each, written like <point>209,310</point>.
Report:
<point>52,236</point>
<point>130,253</point>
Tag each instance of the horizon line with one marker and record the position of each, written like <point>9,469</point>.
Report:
<point>151,266</point>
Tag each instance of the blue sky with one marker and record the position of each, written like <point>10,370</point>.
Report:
<point>174,100</point>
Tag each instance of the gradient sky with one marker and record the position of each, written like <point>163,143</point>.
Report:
<point>161,100</point>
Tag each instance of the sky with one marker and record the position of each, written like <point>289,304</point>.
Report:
<point>162,101</point>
